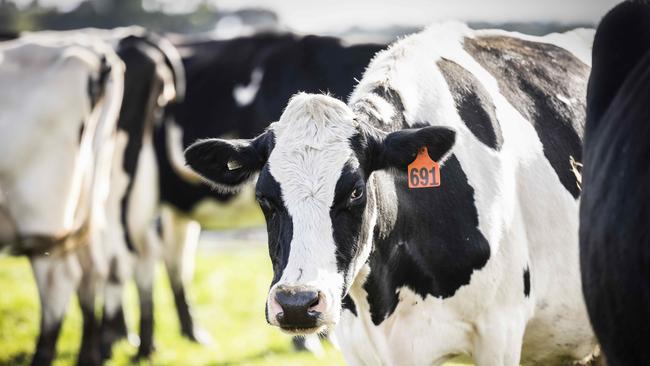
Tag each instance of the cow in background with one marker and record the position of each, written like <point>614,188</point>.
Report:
<point>615,205</point>
<point>58,123</point>
<point>153,80</point>
<point>235,88</point>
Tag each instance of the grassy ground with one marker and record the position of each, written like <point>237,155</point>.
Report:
<point>229,291</point>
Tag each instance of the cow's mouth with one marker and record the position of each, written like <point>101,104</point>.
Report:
<point>302,330</point>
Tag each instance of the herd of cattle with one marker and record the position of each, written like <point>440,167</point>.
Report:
<point>108,138</point>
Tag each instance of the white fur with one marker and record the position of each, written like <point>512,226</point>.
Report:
<point>311,149</point>
<point>245,94</point>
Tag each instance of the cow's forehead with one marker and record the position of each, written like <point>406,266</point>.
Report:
<point>312,145</point>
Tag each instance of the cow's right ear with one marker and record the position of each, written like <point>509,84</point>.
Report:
<point>228,164</point>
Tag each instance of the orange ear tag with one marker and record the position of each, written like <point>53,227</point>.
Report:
<point>423,172</point>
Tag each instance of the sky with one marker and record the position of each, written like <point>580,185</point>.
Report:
<point>316,15</point>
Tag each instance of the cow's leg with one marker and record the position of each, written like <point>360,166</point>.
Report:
<point>500,338</point>
<point>57,277</point>
<point>145,267</point>
<point>89,353</point>
<point>180,238</point>
<point>113,326</point>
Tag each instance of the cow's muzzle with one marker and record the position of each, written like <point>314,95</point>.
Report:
<point>297,309</point>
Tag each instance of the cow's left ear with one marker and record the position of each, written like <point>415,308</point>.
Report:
<point>228,164</point>
<point>398,149</point>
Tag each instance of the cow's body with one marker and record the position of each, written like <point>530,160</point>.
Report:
<point>58,121</point>
<point>484,265</point>
<point>128,244</point>
<point>132,247</point>
<point>467,268</point>
<point>614,242</point>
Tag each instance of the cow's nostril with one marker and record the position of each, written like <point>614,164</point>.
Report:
<point>315,302</point>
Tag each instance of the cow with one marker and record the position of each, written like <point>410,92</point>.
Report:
<point>486,263</point>
<point>153,80</point>
<point>58,122</point>
<point>235,87</point>
<point>614,245</point>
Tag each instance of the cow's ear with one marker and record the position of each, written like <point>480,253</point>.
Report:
<point>228,164</point>
<point>399,149</point>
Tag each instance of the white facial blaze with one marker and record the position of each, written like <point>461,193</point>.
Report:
<point>311,150</point>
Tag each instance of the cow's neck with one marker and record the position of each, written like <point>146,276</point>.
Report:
<point>426,240</point>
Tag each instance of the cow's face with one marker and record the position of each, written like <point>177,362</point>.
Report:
<point>314,171</point>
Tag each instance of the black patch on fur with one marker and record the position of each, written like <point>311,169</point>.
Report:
<point>393,97</point>
<point>348,304</point>
<point>96,84</point>
<point>615,203</point>
<point>347,216</point>
<point>279,224</point>
<point>531,75</point>
<point>527,282</point>
<point>434,246</point>
<point>473,103</point>
<point>82,128</point>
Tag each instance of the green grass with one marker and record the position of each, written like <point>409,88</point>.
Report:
<point>228,291</point>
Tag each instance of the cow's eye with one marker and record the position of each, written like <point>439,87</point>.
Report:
<point>356,194</point>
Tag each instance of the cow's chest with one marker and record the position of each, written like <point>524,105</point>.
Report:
<point>418,332</point>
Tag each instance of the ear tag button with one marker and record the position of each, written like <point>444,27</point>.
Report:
<point>423,172</point>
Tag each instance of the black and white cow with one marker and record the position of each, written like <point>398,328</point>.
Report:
<point>486,264</point>
<point>235,88</point>
<point>153,79</point>
<point>59,103</point>
<point>615,203</point>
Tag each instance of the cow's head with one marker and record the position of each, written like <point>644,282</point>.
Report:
<point>314,169</point>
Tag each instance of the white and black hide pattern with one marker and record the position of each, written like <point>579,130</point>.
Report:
<point>484,265</point>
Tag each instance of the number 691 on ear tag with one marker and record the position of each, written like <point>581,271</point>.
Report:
<point>423,172</point>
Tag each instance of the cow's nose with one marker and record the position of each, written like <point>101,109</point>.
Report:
<point>300,307</point>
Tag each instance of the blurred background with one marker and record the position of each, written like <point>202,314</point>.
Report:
<point>233,270</point>
<point>334,17</point>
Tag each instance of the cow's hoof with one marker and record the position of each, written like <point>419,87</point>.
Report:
<point>200,336</point>
<point>309,343</point>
